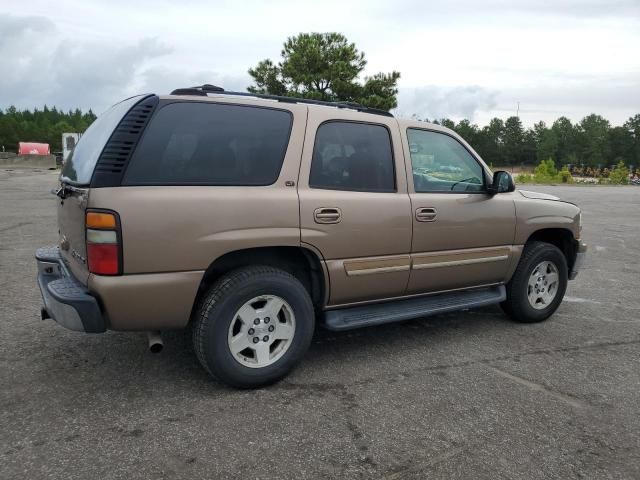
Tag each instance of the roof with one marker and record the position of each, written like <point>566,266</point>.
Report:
<point>206,89</point>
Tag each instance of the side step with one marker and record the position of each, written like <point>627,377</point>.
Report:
<point>399,310</point>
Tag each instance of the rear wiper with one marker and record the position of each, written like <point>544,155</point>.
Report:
<point>65,190</point>
<point>61,192</point>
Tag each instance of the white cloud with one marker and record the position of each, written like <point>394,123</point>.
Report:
<point>435,102</point>
<point>459,58</point>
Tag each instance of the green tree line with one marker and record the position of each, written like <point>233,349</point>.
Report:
<point>326,66</point>
<point>43,126</point>
<point>590,142</point>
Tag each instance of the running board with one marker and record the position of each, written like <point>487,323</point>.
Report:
<point>399,310</point>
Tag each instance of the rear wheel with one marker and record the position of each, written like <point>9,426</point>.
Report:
<point>538,284</point>
<point>253,326</point>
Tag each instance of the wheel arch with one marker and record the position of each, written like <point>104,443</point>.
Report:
<point>559,237</point>
<point>301,262</point>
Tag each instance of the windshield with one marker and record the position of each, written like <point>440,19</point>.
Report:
<point>78,168</point>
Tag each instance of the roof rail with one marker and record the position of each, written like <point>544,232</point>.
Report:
<point>204,90</point>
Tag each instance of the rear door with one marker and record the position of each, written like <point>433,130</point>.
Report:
<point>76,175</point>
<point>462,236</point>
<point>354,206</point>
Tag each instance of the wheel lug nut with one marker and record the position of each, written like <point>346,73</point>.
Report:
<point>256,339</point>
<point>265,338</point>
<point>251,331</point>
<point>271,328</point>
<point>256,321</point>
<point>267,319</point>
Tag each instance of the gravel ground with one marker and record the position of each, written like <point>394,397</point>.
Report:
<point>465,395</point>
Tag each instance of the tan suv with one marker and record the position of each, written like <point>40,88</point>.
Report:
<point>250,217</point>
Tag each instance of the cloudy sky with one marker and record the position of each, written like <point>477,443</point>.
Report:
<point>458,59</point>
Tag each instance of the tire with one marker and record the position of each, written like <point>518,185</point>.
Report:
<point>518,305</point>
<point>223,322</point>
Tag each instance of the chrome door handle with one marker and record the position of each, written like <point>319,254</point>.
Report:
<point>427,214</point>
<point>327,215</point>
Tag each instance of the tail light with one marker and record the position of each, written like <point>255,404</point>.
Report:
<point>104,244</point>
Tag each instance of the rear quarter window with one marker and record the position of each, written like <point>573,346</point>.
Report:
<point>193,143</point>
<point>79,167</point>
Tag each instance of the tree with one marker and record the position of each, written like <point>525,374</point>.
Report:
<point>324,66</point>
<point>468,131</point>
<point>46,126</point>
<point>513,141</point>
<point>594,140</point>
<point>633,127</point>
<point>621,144</point>
<point>445,122</point>
<point>490,142</point>
<point>620,174</point>
<point>547,146</point>
<point>564,137</point>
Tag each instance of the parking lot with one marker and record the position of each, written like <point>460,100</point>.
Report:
<point>464,395</point>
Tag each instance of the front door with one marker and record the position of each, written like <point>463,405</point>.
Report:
<point>354,207</point>
<point>462,237</point>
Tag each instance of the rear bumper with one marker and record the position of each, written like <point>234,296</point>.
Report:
<point>66,300</point>
<point>581,255</point>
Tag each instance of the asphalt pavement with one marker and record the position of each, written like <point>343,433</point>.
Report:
<point>462,395</point>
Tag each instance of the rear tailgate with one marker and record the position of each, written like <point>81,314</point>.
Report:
<point>76,177</point>
<point>71,227</point>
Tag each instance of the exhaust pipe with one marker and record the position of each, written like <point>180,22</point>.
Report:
<point>155,341</point>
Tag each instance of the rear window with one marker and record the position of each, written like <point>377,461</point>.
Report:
<point>195,143</point>
<point>78,168</point>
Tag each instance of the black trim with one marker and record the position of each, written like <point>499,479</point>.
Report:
<point>204,90</point>
<point>64,288</point>
<point>347,318</point>
<point>484,170</point>
<point>165,103</point>
<point>393,158</point>
<point>119,149</point>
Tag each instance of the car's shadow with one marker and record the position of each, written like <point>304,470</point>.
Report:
<point>115,360</point>
<point>369,345</point>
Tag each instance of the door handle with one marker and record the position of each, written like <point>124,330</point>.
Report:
<point>426,214</point>
<point>327,215</point>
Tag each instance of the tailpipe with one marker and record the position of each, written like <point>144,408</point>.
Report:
<point>155,341</point>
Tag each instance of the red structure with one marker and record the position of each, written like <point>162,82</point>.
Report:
<point>30,148</point>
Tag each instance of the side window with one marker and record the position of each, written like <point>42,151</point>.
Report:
<point>441,164</point>
<point>197,143</point>
<point>352,156</point>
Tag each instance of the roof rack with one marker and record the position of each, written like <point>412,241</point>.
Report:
<point>204,90</point>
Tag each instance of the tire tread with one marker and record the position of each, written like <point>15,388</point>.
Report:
<point>514,305</point>
<point>221,289</point>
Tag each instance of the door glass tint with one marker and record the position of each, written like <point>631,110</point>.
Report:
<point>441,164</point>
<point>197,143</point>
<point>352,156</point>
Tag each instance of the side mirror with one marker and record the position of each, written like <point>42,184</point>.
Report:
<point>502,182</point>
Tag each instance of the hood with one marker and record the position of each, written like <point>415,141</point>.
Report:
<point>537,195</point>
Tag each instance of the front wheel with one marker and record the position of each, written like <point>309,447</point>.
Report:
<point>253,326</point>
<point>538,284</point>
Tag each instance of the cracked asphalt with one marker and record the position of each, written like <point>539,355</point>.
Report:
<point>464,395</point>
